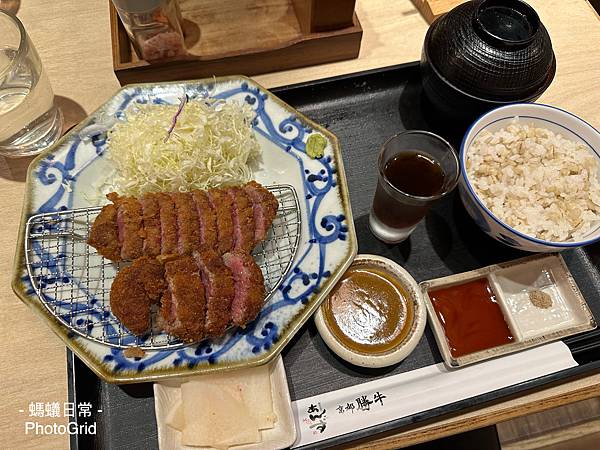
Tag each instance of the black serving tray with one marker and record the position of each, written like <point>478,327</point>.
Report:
<point>363,110</point>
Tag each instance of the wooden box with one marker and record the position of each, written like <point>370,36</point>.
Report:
<point>324,15</point>
<point>247,37</point>
<point>432,9</point>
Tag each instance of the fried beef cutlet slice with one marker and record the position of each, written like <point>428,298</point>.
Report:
<point>222,205</point>
<point>183,306</point>
<point>134,290</point>
<point>129,225</point>
<point>104,235</point>
<point>219,291</point>
<point>188,234</point>
<point>206,218</point>
<point>168,224</point>
<point>151,219</point>
<point>264,208</point>
<point>249,286</point>
<point>243,220</point>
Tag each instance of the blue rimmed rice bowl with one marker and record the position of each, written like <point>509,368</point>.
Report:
<point>554,119</point>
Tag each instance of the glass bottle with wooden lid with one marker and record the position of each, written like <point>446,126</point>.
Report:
<point>153,26</point>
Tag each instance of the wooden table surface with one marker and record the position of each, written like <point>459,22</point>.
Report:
<point>73,41</point>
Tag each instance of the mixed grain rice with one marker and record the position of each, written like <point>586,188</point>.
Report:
<point>536,181</point>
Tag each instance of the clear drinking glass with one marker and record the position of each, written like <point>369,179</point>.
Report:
<point>395,212</point>
<point>153,26</point>
<point>29,119</point>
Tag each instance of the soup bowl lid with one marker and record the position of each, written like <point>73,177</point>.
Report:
<point>492,49</point>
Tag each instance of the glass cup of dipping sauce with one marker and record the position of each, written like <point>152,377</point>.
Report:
<point>29,119</point>
<point>415,169</point>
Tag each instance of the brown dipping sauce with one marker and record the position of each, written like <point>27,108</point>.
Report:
<point>471,317</point>
<point>369,311</point>
<point>413,173</point>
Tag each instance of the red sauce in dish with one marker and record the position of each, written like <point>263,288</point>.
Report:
<point>471,317</point>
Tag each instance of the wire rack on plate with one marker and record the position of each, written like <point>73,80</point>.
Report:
<point>73,281</point>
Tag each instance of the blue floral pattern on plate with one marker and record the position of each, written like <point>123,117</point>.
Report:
<point>65,176</point>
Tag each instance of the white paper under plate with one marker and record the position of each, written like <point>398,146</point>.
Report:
<point>167,394</point>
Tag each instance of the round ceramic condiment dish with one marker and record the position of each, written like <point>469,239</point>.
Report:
<point>404,312</point>
<point>554,119</point>
<point>484,54</point>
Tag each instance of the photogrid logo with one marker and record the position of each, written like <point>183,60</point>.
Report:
<point>75,413</point>
<point>54,428</point>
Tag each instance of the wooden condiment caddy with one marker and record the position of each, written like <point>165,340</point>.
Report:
<point>432,9</point>
<point>247,37</point>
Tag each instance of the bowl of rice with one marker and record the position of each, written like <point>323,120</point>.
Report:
<point>530,177</point>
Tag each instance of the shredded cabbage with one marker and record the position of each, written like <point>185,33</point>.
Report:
<point>212,144</point>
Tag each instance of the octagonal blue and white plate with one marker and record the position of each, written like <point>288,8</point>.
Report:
<point>63,177</point>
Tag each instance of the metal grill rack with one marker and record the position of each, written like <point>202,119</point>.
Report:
<point>73,281</point>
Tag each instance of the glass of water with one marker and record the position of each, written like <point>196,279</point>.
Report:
<point>29,119</point>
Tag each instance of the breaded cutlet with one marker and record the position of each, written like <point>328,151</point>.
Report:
<point>243,220</point>
<point>264,205</point>
<point>188,233</point>
<point>151,219</point>
<point>183,306</point>
<point>168,224</point>
<point>129,226</point>
<point>222,205</point>
<point>104,236</point>
<point>218,289</point>
<point>207,219</point>
<point>134,290</point>
<point>249,286</point>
